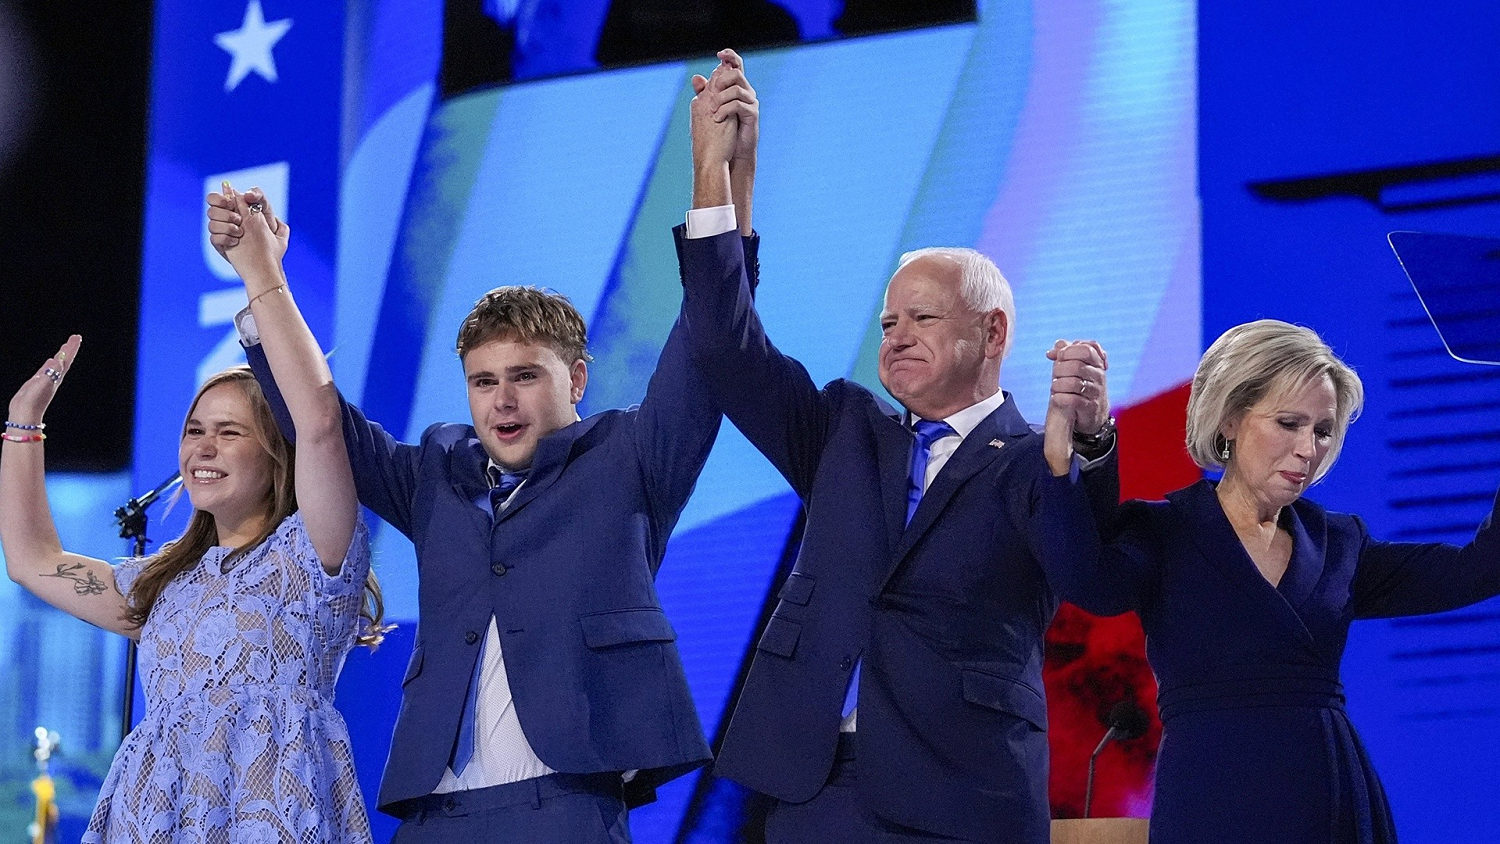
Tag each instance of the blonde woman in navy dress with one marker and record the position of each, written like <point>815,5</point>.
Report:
<point>1246,591</point>
<point>243,622</point>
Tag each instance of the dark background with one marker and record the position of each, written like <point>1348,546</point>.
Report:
<point>70,215</point>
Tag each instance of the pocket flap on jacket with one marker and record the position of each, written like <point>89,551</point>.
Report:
<point>1006,695</point>
<point>797,589</point>
<point>780,637</point>
<point>621,627</point>
<point>413,666</point>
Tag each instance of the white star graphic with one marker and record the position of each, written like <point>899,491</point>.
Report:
<point>251,44</point>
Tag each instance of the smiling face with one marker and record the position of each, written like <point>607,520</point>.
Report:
<point>1278,444</point>
<point>937,354</point>
<point>225,465</point>
<point>518,393</point>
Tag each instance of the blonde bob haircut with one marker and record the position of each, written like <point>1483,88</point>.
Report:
<point>1258,359</point>
<point>981,284</point>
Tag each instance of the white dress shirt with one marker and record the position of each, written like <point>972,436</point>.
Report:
<point>501,752</point>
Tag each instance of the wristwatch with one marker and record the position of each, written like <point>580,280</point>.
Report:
<point>1096,444</point>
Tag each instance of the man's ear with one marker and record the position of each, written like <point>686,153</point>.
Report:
<point>996,332</point>
<point>578,376</point>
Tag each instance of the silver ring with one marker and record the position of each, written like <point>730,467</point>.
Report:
<point>256,208</point>
<point>1083,386</point>
<point>53,374</point>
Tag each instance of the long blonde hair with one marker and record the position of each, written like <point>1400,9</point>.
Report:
<point>201,534</point>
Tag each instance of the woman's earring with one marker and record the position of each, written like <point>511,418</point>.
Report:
<point>1224,452</point>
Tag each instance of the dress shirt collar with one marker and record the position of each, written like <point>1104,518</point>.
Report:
<point>493,471</point>
<point>969,418</point>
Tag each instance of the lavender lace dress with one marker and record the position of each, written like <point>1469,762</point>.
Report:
<point>240,741</point>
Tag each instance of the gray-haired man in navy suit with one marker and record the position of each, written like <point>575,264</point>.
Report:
<point>917,564</point>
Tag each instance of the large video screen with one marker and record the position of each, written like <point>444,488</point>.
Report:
<point>419,164</point>
<point>424,152</point>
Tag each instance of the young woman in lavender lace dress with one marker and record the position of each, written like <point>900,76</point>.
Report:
<point>244,621</point>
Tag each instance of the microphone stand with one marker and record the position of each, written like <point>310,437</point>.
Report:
<point>1088,792</point>
<point>132,521</point>
<point>1126,721</point>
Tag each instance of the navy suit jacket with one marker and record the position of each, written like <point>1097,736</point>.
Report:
<point>947,613</point>
<point>567,570</point>
<point>1256,744</point>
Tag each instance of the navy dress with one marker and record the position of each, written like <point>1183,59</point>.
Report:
<point>1256,745</point>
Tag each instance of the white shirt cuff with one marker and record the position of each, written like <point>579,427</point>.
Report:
<point>707,222</point>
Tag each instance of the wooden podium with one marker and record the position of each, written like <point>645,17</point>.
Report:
<point>1100,831</point>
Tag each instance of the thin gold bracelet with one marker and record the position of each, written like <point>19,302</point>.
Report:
<point>281,286</point>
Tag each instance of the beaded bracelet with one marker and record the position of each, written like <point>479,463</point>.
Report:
<point>17,425</point>
<point>23,438</point>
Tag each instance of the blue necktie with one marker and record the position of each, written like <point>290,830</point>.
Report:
<point>921,449</point>
<point>463,747</point>
<point>927,434</point>
<point>503,487</point>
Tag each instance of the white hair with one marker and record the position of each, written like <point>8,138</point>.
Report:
<point>981,285</point>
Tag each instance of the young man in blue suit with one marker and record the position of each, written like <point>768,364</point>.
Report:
<point>545,693</point>
<point>917,563</point>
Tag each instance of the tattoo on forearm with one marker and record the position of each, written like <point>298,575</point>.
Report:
<point>84,581</point>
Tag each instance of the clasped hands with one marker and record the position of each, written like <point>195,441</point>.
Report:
<point>1080,397</point>
<point>244,228</point>
<point>724,114</point>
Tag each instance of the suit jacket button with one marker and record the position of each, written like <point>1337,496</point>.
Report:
<point>498,569</point>
<point>471,637</point>
<point>845,663</point>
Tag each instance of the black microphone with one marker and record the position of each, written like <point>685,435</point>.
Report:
<point>132,517</point>
<point>1126,721</point>
<point>132,521</point>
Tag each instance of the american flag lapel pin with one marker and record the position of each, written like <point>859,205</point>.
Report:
<point>996,444</point>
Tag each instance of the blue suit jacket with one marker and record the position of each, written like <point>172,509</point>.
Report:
<point>568,571</point>
<point>947,613</point>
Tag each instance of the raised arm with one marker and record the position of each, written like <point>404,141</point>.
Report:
<point>1416,578</point>
<point>1103,577</point>
<point>385,469</point>
<point>81,586</point>
<point>245,230</point>
<point>1076,507</point>
<point>733,101</point>
<point>768,396</point>
<point>679,418</point>
<point>1079,403</point>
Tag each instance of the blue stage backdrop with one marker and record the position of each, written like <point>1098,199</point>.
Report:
<point>1059,138</point>
<point>424,151</point>
<point>1319,137</point>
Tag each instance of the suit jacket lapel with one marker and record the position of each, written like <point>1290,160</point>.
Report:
<point>1309,549</point>
<point>893,451</point>
<point>551,458</point>
<point>466,469</point>
<point>978,450</point>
